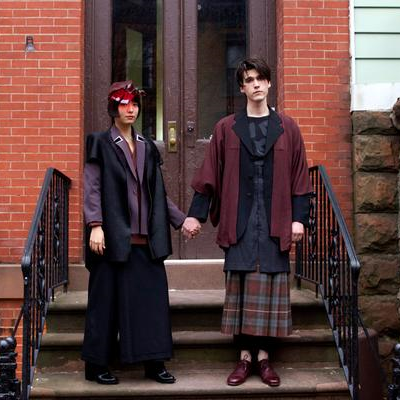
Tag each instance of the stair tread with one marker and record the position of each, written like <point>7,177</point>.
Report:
<point>179,299</point>
<point>191,381</point>
<point>194,337</point>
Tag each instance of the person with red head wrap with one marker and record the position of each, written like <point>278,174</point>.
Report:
<point>128,217</point>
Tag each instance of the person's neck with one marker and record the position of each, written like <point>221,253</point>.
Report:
<point>125,129</point>
<point>257,109</point>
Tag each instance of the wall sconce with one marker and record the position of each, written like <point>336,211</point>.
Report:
<point>29,46</point>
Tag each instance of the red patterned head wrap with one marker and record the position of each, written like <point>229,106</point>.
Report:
<point>124,92</point>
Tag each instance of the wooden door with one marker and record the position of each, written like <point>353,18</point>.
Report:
<point>184,54</point>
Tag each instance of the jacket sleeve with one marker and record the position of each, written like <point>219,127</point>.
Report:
<point>301,209</point>
<point>199,207</point>
<point>208,179</point>
<point>92,193</point>
<point>92,182</point>
<point>176,216</point>
<point>300,183</point>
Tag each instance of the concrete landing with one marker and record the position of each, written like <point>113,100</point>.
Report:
<point>320,382</point>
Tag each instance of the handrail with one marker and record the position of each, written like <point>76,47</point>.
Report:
<point>354,262</point>
<point>44,266</point>
<point>327,258</point>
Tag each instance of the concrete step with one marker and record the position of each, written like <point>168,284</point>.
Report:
<point>300,381</point>
<point>189,274</point>
<point>182,274</point>
<point>60,350</point>
<point>190,310</point>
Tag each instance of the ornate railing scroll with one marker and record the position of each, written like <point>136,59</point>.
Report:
<point>10,386</point>
<point>44,265</point>
<point>394,387</point>
<point>326,257</point>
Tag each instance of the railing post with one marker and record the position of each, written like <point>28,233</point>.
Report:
<point>10,386</point>
<point>299,262</point>
<point>355,272</point>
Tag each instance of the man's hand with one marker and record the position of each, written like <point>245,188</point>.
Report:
<point>191,227</point>
<point>297,231</point>
<point>96,241</point>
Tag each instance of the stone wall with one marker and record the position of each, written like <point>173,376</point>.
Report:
<point>376,224</point>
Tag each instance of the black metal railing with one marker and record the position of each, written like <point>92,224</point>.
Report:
<point>326,257</point>
<point>10,385</point>
<point>44,266</point>
<point>394,387</point>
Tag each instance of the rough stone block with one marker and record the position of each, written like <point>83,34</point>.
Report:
<point>376,152</point>
<point>380,274</point>
<point>372,123</point>
<point>380,313</point>
<point>376,233</point>
<point>375,192</point>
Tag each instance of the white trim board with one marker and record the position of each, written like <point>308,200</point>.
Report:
<point>374,96</point>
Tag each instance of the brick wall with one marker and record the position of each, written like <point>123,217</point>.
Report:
<point>313,84</point>
<point>41,116</point>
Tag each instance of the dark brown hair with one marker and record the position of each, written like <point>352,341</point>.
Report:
<point>253,63</point>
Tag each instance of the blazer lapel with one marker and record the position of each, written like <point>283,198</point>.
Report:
<point>275,129</point>
<point>241,128</point>
<point>140,155</point>
<point>118,141</point>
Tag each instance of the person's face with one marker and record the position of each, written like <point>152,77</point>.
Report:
<point>128,113</point>
<point>254,87</point>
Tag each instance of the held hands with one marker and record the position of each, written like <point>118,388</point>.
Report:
<point>191,227</point>
<point>297,231</point>
<point>96,241</point>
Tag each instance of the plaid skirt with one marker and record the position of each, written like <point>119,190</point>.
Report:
<point>257,304</point>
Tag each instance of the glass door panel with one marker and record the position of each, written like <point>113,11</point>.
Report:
<point>137,55</point>
<point>221,44</point>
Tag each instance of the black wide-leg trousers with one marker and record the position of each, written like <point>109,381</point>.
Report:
<point>128,302</point>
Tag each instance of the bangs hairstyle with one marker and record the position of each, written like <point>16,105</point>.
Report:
<point>253,63</point>
<point>112,107</point>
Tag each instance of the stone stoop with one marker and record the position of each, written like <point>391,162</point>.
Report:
<point>203,357</point>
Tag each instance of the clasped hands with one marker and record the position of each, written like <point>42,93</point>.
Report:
<point>191,227</point>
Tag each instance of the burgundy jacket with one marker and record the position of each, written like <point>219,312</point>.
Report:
<point>219,176</point>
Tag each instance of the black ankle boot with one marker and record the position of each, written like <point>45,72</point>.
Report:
<point>156,371</point>
<point>100,374</point>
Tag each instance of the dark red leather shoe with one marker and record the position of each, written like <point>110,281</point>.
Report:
<point>239,375</point>
<point>268,374</point>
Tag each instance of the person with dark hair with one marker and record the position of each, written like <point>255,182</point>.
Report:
<point>128,236</point>
<point>254,183</point>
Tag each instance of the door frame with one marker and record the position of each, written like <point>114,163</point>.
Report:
<point>180,74</point>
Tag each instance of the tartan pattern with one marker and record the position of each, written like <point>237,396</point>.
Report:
<point>266,307</point>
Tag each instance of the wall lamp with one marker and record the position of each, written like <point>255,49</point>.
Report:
<point>29,46</point>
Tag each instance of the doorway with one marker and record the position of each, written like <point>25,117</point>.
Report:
<point>183,53</point>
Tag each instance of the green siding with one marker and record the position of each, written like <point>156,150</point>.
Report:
<point>376,3</point>
<point>377,20</point>
<point>377,71</point>
<point>377,46</point>
<point>377,41</point>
